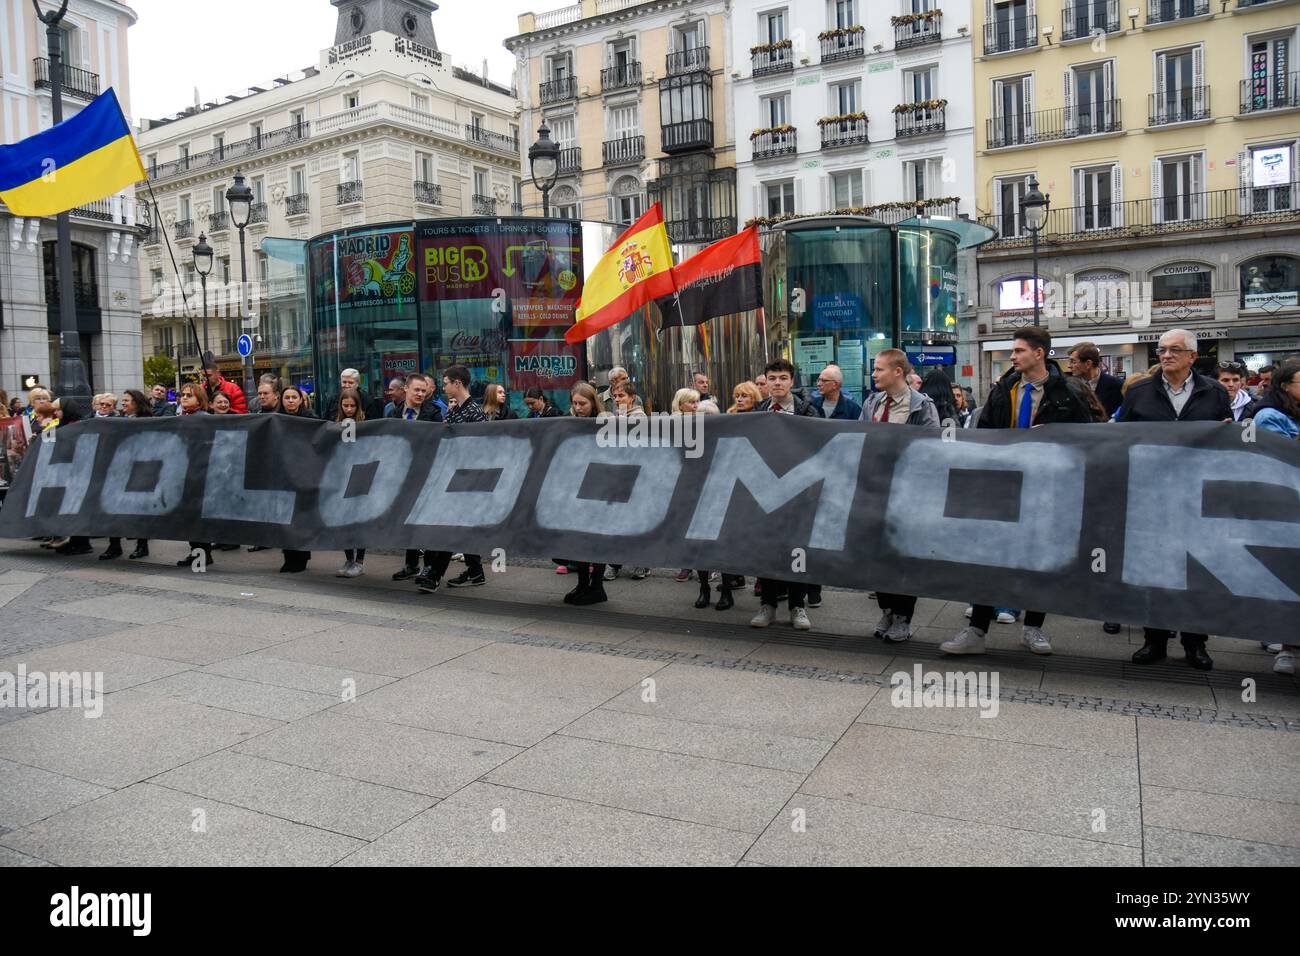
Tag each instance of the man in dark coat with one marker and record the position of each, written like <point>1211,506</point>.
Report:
<point>1085,363</point>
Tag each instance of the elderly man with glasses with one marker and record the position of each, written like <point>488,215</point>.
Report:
<point>832,402</point>
<point>1176,393</point>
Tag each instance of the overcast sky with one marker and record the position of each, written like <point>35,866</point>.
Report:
<point>227,46</point>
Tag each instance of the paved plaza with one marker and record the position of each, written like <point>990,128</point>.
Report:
<point>251,717</point>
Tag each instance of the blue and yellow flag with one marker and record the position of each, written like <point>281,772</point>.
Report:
<point>84,158</point>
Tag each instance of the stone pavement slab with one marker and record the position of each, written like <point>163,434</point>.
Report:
<point>146,825</point>
<point>138,736</point>
<point>267,626</point>
<point>28,794</point>
<point>848,833</point>
<point>241,696</point>
<point>998,782</point>
<point>390,755</point>
<point>600,672</point>
<point>728,795</point>
<point>1233,761</point>
<point>120,668</point>
<point>130,608</point>
<point>534,829</point>
<point>317,799</point>
<point>1239,818</point>
<point>376,650</point>
<point>265,668</point>
<point>183,644</point>
<point>1180,848</point>
<point>10,857</point>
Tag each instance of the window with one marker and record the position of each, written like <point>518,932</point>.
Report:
<point>780,198</point>
<point>564,131</point>
<point>686,98</point>
<point>218,205</point>
<point>771,26</point>
<point>776,109</point>
<point>480,182</point>
<point>476,121</point>
<point>351,101</point>
<point>843,14</point>
<point>298,181</point>
<point>1181,282</point>
<point>624,121</point>
<point>255,133</point>
<point>184,150</point>
<point>1100,295</point>
<point>1090,99</point>
<point>1268,178</point>
<point>1013,108</point>
<point>629,201</point>
<point>296,120</point>
<point>921,6</point>
<point>1270,74</point>
<point>1176,191</point>
<point>1008,193</point>
<point>1098,197</point>
<point>844,98</point>
<point>919,85</point>
<point>162,340</point>
<point>424,167</point>
<point>922,178</point>
<point>186,211</point>
<point>564,203</point>
<point>420,102</point>
<point>155,282</point>
<point>1270,282</point>
<point>1012,26</point>
<point>351,167</point>
<point>153,164</point>
<point>846,189</point>
<point>1179,86</point>
<point>219,144</point>
<point>85,288</point>
<point>258,184</point>
<point>688,37</point>
<point>620,53</point>
<point>559,67</point>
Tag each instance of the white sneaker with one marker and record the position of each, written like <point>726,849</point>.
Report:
<point>969,640</point>
<point>799,619</point>
<point>1006,617</point>
<point>1274,648</point>
<point>458,556</point>
<point>356,570</point>
<point>1036,640</point>
<point>343,571</point>
<point>969,609</point>
<point>883,625</point>
<point>1284,663</point>
<point>899,631</point>
<point>765,616</point>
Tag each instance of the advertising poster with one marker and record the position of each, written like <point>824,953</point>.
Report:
<point>368,269</point>
<point>392,364</point>
<point>526,261</point>
<point>838,310</point>
<point>547,363</point>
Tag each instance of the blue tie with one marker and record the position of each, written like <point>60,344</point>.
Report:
<point>1026,416</point>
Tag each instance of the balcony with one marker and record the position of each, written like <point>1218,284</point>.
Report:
<point>847,43</point>
<point>920,119</point>
<point>1046,126</point>
<point>500,142</point>
<point>692,60</point>
<point>428,193</point>
<point>570,159</point>
<point>297,205</point>
<point>558,90</point>
<point>516,209</point>
<point>693,134</point>
<point>620,77</point>
<point>917,29</point>
<point>1019,33</point>
<point>1178,106</point>
<point>771,143</point>
<point>483,205</point>
<point>228,152</point>
<point>768,59</point>
<point>699,202</point>
<point>350,192</point>
<point>81,84</point>
<point>219,222</point>
<point>184,229</point>
<point>1171,11</point>
<point>847,130</point>
<point>1280,91</point>
<point>617,152</point>
<point>85,295</point>
<point>1084,18</point>
<point>1162,215</point>
<point>257,213</point>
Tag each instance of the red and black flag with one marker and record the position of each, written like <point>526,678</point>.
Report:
<point>725,278</point>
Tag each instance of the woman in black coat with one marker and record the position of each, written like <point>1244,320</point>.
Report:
<point>295,403</point>
<point>134,405</point>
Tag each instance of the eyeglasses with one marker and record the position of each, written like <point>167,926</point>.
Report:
<point>1171,351</point>
<point>1235,367</point>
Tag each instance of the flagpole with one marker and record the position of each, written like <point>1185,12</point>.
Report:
<point>157,218</point>
<point>71,384</point>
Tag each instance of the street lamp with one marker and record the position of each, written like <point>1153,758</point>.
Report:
<point>1034,208</point>
<point>544,162</point>
<point>72,384</point>
<point>240,199</point>
<point>203,266</point>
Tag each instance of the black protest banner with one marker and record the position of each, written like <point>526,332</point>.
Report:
<point>1184,526</point>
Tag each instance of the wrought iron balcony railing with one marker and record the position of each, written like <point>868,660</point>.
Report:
<point>1045,126</point>
<point>1019,33</point>
<point>428,193</point>
<point>484,205</point>
<point>350,192</point>
<point>693,134</point>
<point>1279,91</point>
<point>184,229</point>
<point>1168,11</point>
<point>570,159</point>
<point>919,32</point>
<point>495,141</point>
<point>629,149</point>
<point>924,121</point>
<point>257,213</point>
<point>82,84</point>
<point>1084,18</point>
<point>297,205</point>
<point>843,132</point>
<point>621,76</point>
<point>691,60</point>
<point>844,44</point>
<point>1178,106</point>
<point>558,90</point>
<point>772,58</point>
<point>771,143</point>
<point>219,222</point>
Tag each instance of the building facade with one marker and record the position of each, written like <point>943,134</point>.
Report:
<point>637,95</point>
<point>852,105</point>
<point>383,128</point>
<point>105,234</point>
<point>1167,135</point>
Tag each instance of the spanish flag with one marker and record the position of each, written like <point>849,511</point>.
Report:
<point>637,268</point>
<point>86,157</point>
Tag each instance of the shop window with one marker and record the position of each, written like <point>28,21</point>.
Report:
<point>1270,283</point>
<point>1181,283</point>
<point>1016,294</point>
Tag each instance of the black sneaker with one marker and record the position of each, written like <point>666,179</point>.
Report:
<point>467,580</point>
<point>405,573</point>
<point>427,583</point>
<point>813,600</point>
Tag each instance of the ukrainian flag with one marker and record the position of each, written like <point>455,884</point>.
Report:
<point>84,158</point>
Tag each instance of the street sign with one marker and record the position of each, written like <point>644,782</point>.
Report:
<point>245,345</point>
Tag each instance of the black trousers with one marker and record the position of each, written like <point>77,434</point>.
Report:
<point>982,616</point>
<point>901,605</point>
<point>437,563</point>
<point>413,557</point>
<point>770,592</point>
<point>358,555</point>
<point>1158,635</point>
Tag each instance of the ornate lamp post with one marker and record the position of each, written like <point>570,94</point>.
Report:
<point>1034,208</point>
<point>544,163</point>
<point>240,199</point>
<point>203,266</point>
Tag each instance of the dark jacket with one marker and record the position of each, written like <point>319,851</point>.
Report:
<point>429,412</point>
<point>163,407</point>
<point>465,414</point>
<point>1058,405</point>
<point>550,411</point>
<point>801,407</point>
<point>846,409</point>
<point>1109,392</point>
<point>1147,401</point>
<point>502,414</point>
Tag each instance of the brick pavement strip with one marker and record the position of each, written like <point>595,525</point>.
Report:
<point>315,721</point>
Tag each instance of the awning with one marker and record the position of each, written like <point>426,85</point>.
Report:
<point>969,234</point>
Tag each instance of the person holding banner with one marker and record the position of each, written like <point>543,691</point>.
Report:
<point>585,403</point>
<point>134,405</point>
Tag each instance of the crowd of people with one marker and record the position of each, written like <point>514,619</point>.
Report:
<point>1034,391</point>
